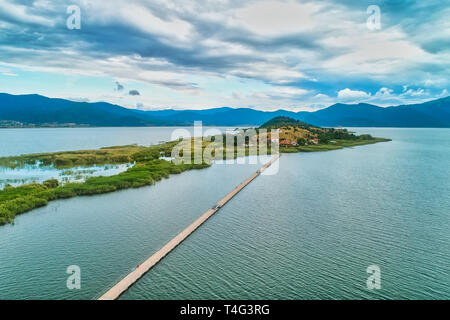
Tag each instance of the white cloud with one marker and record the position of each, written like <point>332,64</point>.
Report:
<point>271,18</point>
<point>21,13</point>
<point>384,92</point>
<point>276,73</point>
<point>289,91</point>
<point>141,17</point>
<point>434,82</point>
<point>321,96</point>
<point>374,54</point>
<point>414,93</point>
<point>348,94</point>
<point>444,93</point>
<point>9,74</point>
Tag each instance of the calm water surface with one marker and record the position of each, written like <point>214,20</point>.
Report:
<point>308,232</point>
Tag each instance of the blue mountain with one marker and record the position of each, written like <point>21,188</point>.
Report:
<point>434,113</point>
<point>42,111</point>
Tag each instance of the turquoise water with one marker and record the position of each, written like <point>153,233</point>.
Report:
<point>308,232</point>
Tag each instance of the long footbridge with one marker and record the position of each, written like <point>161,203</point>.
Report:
<point>136,274</point>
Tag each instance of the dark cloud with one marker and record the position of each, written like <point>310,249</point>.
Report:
<point>119,87</point>
<point>100,40</point>
<point>134,93</point>
<point>436,45</point>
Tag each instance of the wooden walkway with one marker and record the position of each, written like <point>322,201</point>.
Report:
<point>135,275</point>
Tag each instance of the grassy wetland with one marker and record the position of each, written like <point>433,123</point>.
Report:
<point>148,169</point>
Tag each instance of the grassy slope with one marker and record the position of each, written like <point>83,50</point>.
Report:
<point>291,130</point>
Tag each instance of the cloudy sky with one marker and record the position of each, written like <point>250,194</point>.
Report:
<point>297,55</point>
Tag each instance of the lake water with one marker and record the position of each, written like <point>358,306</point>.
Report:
<point>15,142</point>
<point>308,232</point>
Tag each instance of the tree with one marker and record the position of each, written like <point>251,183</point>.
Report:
<point>52,183</point>
<point>301,141</point>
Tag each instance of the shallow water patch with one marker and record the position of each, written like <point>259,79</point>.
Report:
<point>37,173</point>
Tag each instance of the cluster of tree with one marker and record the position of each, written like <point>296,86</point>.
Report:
<point>302,141</point>
<point>286,122</point>
<point>325,136</point>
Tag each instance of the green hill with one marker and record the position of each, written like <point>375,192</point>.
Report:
<point>282,121</point>
<point>296,136</point>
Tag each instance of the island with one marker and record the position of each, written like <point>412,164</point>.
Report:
<point>298,136</point>
<point>153,163</point>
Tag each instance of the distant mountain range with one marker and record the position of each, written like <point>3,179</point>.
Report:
<point>40,111</point>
